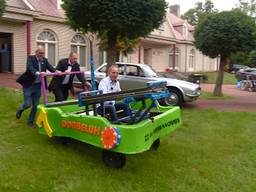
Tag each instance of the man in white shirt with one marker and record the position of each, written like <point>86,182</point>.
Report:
<point>110,84</point>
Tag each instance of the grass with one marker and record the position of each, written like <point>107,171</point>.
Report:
<point>210,96</point>
<point>212,76</point>
<point>212,151</point>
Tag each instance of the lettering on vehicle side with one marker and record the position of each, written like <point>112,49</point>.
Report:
<point>160,127</point>
<point>81,127</point>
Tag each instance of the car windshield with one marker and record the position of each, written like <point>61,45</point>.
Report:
<point>148,71</point>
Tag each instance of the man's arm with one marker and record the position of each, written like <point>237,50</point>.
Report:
<point>118,86</point>
<point>30,65</point>
<point>80,76</point>
<point>103,87</point>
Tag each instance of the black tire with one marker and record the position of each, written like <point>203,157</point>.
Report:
<point>155,144</point>
<point>62,140</point>
<point>176,98</point>
<point>113,159</point>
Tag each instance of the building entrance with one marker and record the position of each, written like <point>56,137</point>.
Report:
<point>5,52</point>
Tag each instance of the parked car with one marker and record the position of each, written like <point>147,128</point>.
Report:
<point>237,67</point>
<point>136,75</point>
<point>246,74</point>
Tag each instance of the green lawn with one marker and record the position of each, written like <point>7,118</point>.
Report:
<point>212,151</point>
<point>212,76</point>
<point>210,96</point>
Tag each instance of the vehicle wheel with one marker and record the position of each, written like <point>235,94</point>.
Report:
<point>156,144</point>
<point>175,99</point>
<point>113,159</point>
<point>61,140</point>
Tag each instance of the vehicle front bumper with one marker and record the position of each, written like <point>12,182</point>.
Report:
<point>192,96</point>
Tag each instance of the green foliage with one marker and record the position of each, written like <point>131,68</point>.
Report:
<point>123,45</point>
<point>225,32</point>
<point>117,19</point>
<point>248,7</point>
<point>240,57</point>
<point>2,7</point>
<point>252,58</point>
<point>194,15</point>
<point>131,19</point>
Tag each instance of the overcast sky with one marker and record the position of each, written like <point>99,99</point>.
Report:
<point>221,5</point>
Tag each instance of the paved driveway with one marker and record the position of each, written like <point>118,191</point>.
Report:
<point>243,100</point>
<point>8,80</point>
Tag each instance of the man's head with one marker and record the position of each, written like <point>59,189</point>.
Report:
<point>73,58</point>
<point>40,52</point>
<point>113,72</point>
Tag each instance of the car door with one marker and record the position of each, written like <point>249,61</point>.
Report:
<point>132,78</point>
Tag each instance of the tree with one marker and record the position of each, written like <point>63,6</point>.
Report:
<point>223,33</point>
<point>123,45</point>
<point>252,58</point>
<point>117,19</point>
<point>199,12</point>
<point>2,7</point>
<point>248,7</point>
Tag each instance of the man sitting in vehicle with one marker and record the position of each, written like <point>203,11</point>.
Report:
<point>110,84</point>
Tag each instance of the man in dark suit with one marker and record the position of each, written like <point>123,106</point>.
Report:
<point>60,85</point>
<point>31,82</point>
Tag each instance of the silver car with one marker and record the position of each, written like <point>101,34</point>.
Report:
<point>136,75</point>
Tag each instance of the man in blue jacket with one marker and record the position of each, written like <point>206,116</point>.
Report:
<point>31,83</point>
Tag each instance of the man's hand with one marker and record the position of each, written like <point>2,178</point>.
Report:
<point>40,73</point>
<point>73,96</point>
<point>59,72</point>
<point>88,84</point>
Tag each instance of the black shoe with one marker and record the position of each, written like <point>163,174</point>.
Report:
<point>18,113</point>
<point>32,125</point>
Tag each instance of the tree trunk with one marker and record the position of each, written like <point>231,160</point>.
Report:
<point>111,50</point>
<point>118,53</point>
<point>219,80</point>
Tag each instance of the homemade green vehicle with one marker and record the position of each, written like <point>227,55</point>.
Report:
<point>142,130</point>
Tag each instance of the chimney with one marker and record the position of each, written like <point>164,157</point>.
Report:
<point>175,9</point>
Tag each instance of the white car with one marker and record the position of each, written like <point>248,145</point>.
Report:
<point>136,75</point>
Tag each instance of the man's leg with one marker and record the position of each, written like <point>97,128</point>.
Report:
<point>27,92</point>
<point>65,90</point>
<point>124,107</point>
<point>35,101</point>
<point>109,109</point>
<point>58,94</point>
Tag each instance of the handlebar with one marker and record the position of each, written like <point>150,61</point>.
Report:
<point>60,74</point>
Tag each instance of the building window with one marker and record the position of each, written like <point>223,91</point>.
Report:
<point>78,45</point>
<point>191,64</point>
<point>184,31</point>
<point>177,57</point>
<point>102,57</point>
<point>47,40</point>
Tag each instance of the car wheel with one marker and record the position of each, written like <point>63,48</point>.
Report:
<point>113,159</point>
<point>175,99</point>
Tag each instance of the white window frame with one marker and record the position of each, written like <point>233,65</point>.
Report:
<point>78,47</point>
<point>46,44</point>
<point>177,58</point>
<point>191,63</point>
